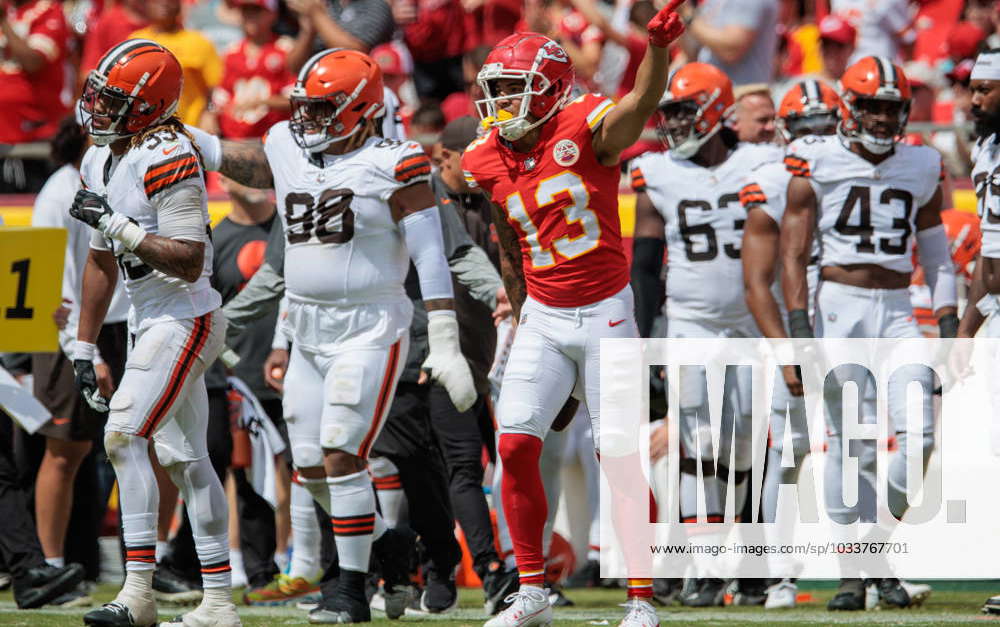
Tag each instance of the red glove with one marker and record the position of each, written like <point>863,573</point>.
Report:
<point>666,26</point>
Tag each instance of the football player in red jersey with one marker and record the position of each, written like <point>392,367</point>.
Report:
<point>550,168</point>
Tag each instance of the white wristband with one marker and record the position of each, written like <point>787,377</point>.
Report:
<point>84,350</point>
<point>117,226</point>
<point>210,147</point>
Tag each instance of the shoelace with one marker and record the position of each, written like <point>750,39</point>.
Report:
<point>529,593</point>
<point>635,606</point>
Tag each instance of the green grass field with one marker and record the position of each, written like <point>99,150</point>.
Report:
<point>952,603</point>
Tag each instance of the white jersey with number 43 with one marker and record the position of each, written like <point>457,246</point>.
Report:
<point>342,245</point>
<point>704,222</point>
<point>866,212</point>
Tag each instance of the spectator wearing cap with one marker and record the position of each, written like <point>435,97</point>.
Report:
<point>355,24</point>
<point>836,45</point>
<point>200,63</point>
<point>754,120</point>
<point>253,94</point>
<point>397,66</point>
<point>115,24</point>
<point>33,51</point>
<point>738,36</point>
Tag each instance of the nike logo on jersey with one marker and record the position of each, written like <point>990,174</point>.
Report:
<point>167,152</point>
<point>615,324</point>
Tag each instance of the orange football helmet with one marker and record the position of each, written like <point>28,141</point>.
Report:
<point>698,100</point>
<point>335,92</point>
<point>135,85</point>
<point>809,108</point>
<point>875,103</point>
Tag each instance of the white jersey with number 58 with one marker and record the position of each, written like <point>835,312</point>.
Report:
<point>866,212</point>
<point>986,179</point>
<point>342,245</point>
<point>703,221</point>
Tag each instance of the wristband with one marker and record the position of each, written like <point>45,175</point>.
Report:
<point>798,323</point>
<point>84,350</point>
<point>117,226</point>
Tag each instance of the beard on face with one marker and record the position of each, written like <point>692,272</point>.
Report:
<point>986,122</point>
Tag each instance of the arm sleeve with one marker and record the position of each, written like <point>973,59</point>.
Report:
<point>935,259</point>
<point>474,270</point>
<point>647,261</point>
<point>179,212</point>
<point>282,337</point>
<point>275,253</point>
<point>424,240</point>
<point>260,297</point>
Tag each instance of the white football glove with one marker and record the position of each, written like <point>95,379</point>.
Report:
<point>445,362</point>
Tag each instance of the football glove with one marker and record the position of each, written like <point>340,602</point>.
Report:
<point>445,362</point>
<point>93,210</point>
<point>86,381</point>
<point>666,26</point>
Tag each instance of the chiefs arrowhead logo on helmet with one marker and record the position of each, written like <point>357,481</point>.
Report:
<point>526,79</point>
<point>136,85</point>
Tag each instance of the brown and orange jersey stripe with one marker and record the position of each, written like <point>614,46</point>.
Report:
<point>638,180</point>
<point>752,195</point>
<point>413,167</point>
<point>162,175</point>
<point>797,166</point>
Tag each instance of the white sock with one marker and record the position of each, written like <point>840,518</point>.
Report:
<point>58,562</point>
<point>138,498</point>
<point>138,586</point>
<point>319,489</point>
<point>353,517</point>
<point>217,597</point>
<point>208,512</point>
<point>305,535</point>
<point>388,488</point>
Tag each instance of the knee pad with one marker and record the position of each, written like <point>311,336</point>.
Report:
<point>339,424</point>
<point>382,467</point>
<point>118,445</point>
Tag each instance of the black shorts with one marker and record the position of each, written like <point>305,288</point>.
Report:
<point>55,387</point>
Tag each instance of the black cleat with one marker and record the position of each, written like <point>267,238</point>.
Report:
<point>895,593</point>
<point>992,605</point>
<point>440,594</point>
<point>498,584</point>
<point>587,576</point>
<point>44,583</point>
<point>850,597</point>
<point>113,614</point>
<point>347,604</point>
<point>706,593</point>
<point>393,551</point>
<point>556,596</point>
<point>667,591</point>
<point>169,587</point>
<point>750,592</point>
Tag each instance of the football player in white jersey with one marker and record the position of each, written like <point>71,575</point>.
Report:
<point>144,195</point>
<point>983,299</point>
<point>809,108</point>
<point>867,197</point>
<point>356,209</point>
<point>689,197</point>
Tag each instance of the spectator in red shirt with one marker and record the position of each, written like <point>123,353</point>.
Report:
<point>434,32</point>
<point>253,94</point>
<point>114,25</point>
<point>33,37</point>
<point>489,21</point>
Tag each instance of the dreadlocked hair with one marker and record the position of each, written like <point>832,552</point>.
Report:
<point>172,124</point>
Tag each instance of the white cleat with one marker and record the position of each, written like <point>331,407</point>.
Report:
<point>639,613</point>
<point>781,595</point>
<point>215,615</point>
<point>528,606</point>
<point>918,592</point>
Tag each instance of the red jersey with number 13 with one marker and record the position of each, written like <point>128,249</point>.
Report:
<point>562,202</point>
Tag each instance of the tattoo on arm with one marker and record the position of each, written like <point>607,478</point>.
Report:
<point>175,257</point>
<point>511,270</point>
<point>246,164</point>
